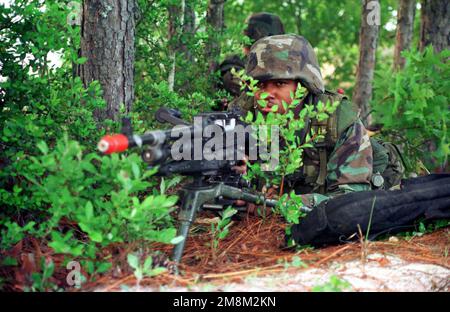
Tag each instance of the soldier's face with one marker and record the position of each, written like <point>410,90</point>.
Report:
<point>278,91</point>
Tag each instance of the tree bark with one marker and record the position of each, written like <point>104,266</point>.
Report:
<point>176,18</point>
<point>368,38</point>
<point>215,20</point>
<point>435,25</point>
<point>188,27</point>
<point>405,26</point>
<point>107,40</point>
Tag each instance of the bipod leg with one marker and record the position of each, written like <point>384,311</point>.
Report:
<point>192,199</point>
<point>183,230</point>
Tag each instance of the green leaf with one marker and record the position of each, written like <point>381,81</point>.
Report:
<point>91,251</point>
<point>162,235</point>
<point>174,181</point>
<point>89,167</point>
<point>249,117</point>
<point>133,261</point>
<point>138,273</point>
<point>103,267</point>
<point>322,116</point>
<point>162,186</point>
<point>156,271</point>
<point>81,60</point>
<point>90,267</point>
<point>170,201</point>
<point>264,95</point>
<point>96,236</point>
<point>422,228</point>
<point>223,233</point>
<point>177,240</point>
<point>89,210</point>
<point>150,172</point>
<point>297,262</point>
<point>148,263</point>
<point>43,147</point>
<point>49,269</point>
<point>228,213</point>
<point>136,170</point>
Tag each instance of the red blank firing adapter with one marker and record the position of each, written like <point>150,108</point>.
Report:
<point>113,144</point>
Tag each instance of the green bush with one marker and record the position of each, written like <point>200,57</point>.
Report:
<point>159,95</point>
<point>412,104</point>
<point>84,202</point>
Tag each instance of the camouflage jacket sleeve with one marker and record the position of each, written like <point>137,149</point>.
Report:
<point>349,167</point>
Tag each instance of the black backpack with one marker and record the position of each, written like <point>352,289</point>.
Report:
<point>337,219</point>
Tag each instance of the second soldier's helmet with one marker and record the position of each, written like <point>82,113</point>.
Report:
<point>260,25</point>
<point>285,57</point>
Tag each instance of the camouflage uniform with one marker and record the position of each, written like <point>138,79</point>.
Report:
<point>259,25</point>
<point>342,162</point>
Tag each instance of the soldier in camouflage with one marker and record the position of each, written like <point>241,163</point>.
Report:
<point>259,25</point>
<point>343,161</point>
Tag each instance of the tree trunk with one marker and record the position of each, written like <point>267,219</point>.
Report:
<point>368,37</point>
<point>176,18</point>
<point>188,27</point>
<point>405,27</point>
<point>181,29</point>
<point>435,25</point>
<point>107,40</point>
<point>215,20</point>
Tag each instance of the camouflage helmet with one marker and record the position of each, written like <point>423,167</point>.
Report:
<point>260,25</point>
<point>285,57</point>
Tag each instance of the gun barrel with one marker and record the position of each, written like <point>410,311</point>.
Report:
<point>117,143</point>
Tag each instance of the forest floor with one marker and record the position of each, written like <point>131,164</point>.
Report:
<point>251,258</point>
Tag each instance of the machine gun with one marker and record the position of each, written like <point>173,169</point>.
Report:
<point>215,184</point>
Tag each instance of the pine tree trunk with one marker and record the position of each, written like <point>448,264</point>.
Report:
<point>107,40</point>
<point>215,19</point>
<point>368,37</point>
<point>435,25</point>
<point>405,26</point>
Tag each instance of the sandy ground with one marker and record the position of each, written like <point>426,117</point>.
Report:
<point>379,273</point>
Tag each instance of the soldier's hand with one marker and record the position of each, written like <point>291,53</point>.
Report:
<point>242,168</point>
<point>252,208</point>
